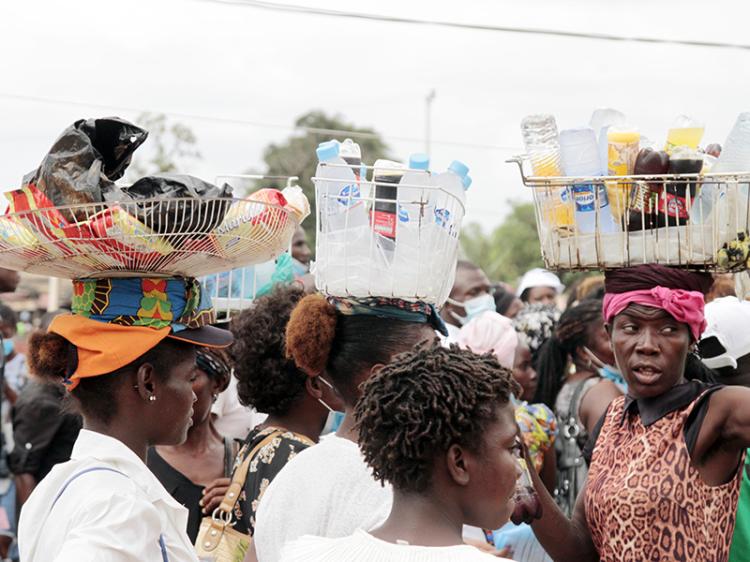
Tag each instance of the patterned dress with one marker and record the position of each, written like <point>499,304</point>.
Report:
<point>538,427</point>
<point>268,461</point>
<point>644,500</point>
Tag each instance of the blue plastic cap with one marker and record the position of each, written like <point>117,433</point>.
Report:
<point>459,168</point>
<point>467,182</point>
<point>419,161</point>
<point>327,150</point>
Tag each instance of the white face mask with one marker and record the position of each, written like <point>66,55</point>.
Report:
<point>473,307</point>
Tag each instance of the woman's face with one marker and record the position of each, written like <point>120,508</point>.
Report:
<point>524,372</point>
<point>494,483</point>
<point>542,295</point>
<point>598,342</point>
<point>514,308</point>
<point>175,400</point>
<point>204,388</point>
<point>650,348</point>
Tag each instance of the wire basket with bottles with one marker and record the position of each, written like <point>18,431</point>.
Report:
<point>157,237</point>
<point>694,220</point>
<point>392,235</point>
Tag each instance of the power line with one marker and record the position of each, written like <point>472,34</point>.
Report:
<point>281,7</point>
<point>247,122</point>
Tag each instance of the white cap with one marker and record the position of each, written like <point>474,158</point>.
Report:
<point>540,278</point>
<point>728,319</point>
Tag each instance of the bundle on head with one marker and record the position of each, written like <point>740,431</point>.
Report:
<point>420,404</point>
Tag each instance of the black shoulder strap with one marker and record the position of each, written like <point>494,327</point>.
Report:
<point>588,450</point>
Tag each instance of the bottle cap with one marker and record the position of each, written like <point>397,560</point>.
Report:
<point>467,181</point>
<point>419,161</point>
<point>459,168</point>
<point>327,150</point>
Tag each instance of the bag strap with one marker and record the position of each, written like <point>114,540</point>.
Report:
<point>240,474</point>
<point>573,406</point>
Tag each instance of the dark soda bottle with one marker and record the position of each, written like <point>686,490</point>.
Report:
<point>649,162</point>
<point>384,211</point>
<point>672,207</point>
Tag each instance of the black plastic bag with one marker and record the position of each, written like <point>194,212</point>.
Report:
<point>168,216</point>
<point>86,160</point>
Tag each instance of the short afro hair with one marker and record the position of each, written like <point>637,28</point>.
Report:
<point>423,402</point>
<point>266,379</point>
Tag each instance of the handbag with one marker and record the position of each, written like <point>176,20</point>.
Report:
<point>570,464</point>
<point>217,541</point>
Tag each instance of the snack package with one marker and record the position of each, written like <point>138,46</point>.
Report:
<point>32,209</point>
<point>127,239</point>
<point>296,201</point>
<point>85,161</point>
<point>260,217</point>
<point>18,245</point>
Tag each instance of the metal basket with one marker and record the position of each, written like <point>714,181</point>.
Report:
<point>685,220</point>
<point>357,255</point>
<point>139,238</point>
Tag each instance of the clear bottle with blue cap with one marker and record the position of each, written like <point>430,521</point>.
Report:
<point>450,195</point>
<point>413,199</point>
<point>343,242</point>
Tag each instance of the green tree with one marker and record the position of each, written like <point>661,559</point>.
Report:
<point>510,249</point>
<point>170,146</point>
<point>296,155</point>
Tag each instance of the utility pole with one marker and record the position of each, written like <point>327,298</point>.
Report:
<point>428,116</point>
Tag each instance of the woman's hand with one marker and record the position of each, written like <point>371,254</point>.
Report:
<point>213,494</point>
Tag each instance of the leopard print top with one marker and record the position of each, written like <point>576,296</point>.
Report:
<point>645,502</point>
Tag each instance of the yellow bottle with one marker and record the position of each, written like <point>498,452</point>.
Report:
<point>683,136</point>
<point>621,154</point>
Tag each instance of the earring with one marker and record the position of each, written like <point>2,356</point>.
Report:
<point>152,398</point>
<point>215,396</point>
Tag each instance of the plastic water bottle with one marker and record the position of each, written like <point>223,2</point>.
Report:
<point>542,144</point>
<point>412,232</point>
<point>579,156</point>
<point>601,120</point>
<point>734,157</point>
<point>352,154</point>
<point>446,199</point>
<point>343,244</point>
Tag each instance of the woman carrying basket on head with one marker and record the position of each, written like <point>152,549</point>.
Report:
<point>126,355</point>
<point>666,458</point>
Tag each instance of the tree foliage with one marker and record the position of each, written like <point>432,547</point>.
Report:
<point>170,146</point>
<point>510,249</point>
<point>296,155</point>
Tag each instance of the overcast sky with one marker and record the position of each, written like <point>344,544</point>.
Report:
<point>237,62</point>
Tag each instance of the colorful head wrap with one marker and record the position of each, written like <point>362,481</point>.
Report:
<point>678,292</point>
<point>116,321</point>
<point>397,309</point>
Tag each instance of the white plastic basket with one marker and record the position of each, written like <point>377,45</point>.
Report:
<point>131,239</point>
<point>716,213</point>
<point>354,259</point>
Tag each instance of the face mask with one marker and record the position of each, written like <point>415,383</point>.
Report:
<point>607,371</point>
<point>474,307</point>
<point>7,346</point>
<point>334,419</point>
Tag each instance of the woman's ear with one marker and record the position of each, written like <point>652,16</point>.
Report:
<point>457,464</point>
<point>146,382</point>
<point>313,388</point>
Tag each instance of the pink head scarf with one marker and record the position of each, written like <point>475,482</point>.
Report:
<point>490,332</point>
<point>685,306</point>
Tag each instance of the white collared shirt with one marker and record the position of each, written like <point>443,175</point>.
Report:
<point>122,514</point>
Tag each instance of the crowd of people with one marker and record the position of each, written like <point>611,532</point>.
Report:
<point>608,420</point>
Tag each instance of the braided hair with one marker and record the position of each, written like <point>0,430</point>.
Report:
<point>423,402</point>
<point>571,334</point>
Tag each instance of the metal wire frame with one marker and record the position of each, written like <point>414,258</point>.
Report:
<point>716,211</point>
<point>174,237</point>
<point>355,259</point>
